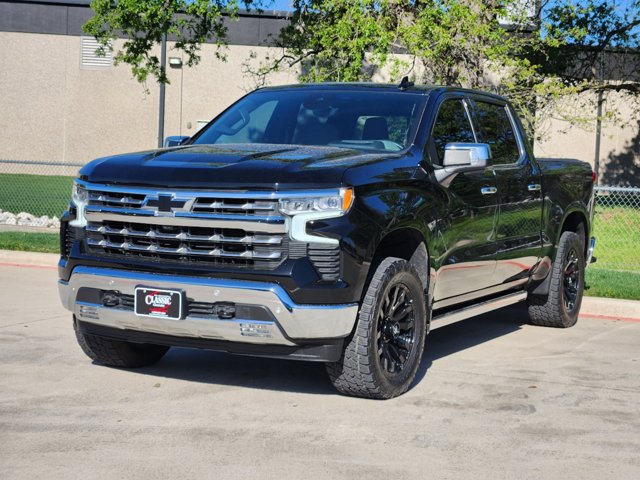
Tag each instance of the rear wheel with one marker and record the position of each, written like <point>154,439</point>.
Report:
<point>560,307</point>
<point>381,358</point>
<point>117,353</point>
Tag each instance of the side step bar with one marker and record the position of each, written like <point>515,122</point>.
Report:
<point>455,316</point>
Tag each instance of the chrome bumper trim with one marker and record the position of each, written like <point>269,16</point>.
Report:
<point>293,321</point>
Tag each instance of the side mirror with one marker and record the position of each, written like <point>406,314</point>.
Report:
<point>174,140</point>
<point>462,157</point>
<point>470,155</point>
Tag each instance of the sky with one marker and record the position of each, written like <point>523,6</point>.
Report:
<point>282,5</point>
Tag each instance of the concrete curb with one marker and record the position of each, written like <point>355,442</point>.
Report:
<point>592,307</point>
<point>28,259</point>
<point>610,308</point>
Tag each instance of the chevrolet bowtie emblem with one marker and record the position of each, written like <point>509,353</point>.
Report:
<point>165,203</point>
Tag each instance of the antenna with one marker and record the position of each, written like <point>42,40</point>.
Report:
<point>405,83</point>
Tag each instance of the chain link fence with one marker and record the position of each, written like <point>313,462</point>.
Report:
<point>616,226</point>
<point>41,189</point>
<point>31,191</point>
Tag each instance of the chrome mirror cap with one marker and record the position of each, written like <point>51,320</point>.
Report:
<point>475,155</point>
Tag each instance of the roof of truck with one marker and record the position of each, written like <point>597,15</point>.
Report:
<point>424,89</point>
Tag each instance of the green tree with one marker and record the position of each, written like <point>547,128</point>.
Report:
<point>143,24</point>
<point>451,42</point>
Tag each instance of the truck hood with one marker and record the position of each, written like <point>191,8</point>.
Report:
<point>237,166</point>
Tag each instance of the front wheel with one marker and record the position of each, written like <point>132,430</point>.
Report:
<point>560,307</point>
<point>381,358</point>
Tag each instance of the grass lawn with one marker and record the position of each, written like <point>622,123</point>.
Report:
<point>30,242</point>
<point>617,231</point>
<point>36,194</point>
<point>612,284</point>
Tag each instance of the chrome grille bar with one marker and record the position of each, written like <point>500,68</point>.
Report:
<point>216,252</point>
<point>185,236</point>
<point>275,224</point>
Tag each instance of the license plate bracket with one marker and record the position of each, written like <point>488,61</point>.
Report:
<point>159,303</point>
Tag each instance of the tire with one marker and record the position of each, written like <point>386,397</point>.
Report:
<point>117,353</point>
<point>560,307</point>
<point>381,358</point>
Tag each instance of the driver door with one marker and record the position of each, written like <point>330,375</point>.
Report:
<point>468,260</point>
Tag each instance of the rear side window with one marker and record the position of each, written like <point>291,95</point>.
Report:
<point>452,125</point>
<point>495,128</point>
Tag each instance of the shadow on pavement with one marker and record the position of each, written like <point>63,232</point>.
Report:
<point>468,333</point>
<point>303,377</point>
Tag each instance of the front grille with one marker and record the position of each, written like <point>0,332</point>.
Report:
<point>143,201</point>
<point>213,246</point>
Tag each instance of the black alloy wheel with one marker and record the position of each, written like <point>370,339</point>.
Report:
<point>396,330</point>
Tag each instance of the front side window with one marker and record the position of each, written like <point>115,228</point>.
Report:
<point>452,126</point>
<point>495,128</point>
<point>361,120</point>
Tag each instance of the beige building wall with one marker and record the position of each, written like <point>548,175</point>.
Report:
<point>54,110</point>
<point>619,159</point>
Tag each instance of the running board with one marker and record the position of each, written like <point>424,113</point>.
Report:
<point>455,316</point>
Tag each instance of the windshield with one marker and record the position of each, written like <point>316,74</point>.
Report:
<point>374,120</point>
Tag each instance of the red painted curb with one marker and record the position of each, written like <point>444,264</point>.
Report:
<point>22,265</point>
<point>610,317</point>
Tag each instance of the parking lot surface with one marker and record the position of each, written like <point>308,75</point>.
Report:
<point>495,398</point>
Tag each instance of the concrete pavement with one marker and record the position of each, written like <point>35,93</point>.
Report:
<point>495,398</point>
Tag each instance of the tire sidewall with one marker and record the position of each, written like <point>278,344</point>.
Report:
<point>571,241</point>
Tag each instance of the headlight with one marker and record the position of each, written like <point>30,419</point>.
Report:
<point>339,202</point>
<point>80,198</point>
<point>304,209</point>
<point>79,194</point>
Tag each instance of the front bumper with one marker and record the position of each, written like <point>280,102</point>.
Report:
<point>280,322</point>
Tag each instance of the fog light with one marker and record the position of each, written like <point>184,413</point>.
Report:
<point>87,311</point>
<point>255,330</point>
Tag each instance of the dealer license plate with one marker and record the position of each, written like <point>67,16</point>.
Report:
<point>154,302</point>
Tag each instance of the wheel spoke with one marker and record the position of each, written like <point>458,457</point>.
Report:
<point>394,358</point>
<point>389,363</point>
<point>399,300</point>
<point>402,313</point>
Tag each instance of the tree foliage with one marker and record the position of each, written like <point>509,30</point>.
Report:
<point>451,42</point>
<point>143,24</point>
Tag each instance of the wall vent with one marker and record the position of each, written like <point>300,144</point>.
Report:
<point>89,58</point>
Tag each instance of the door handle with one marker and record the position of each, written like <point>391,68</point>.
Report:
<point>488,190</point>
<point>534,187</point>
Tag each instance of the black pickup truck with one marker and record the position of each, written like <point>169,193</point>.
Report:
<point>336,223</point>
